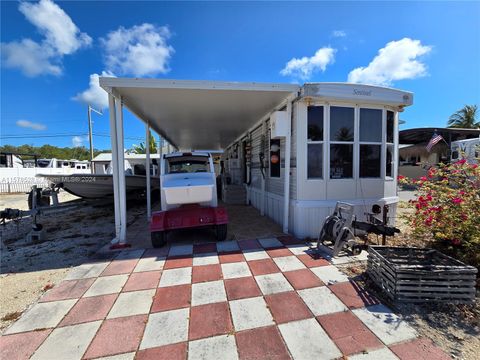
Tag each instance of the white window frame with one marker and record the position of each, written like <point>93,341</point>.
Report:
<point>322,142</point>
<point>359,143</point>
<point>355,141</point>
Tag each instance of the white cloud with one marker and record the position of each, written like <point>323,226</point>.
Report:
<point>398,60</point>
<point>61,37</point>
<point>31,125</point>
<point>305,67</point>
<point>141,50</point>
<point>30,57</point>
<point>339,33</point>
<point>60,32</point>
<point>94,96</point>
<point>78,141</point>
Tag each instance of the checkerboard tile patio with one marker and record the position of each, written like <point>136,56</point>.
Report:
<point>252,299</point>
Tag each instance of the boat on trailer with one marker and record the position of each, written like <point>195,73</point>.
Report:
<point>95,186</point>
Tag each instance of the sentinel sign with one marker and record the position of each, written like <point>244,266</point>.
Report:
<point>362,92</point>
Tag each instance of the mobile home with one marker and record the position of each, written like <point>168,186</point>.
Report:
<point>293,150</point>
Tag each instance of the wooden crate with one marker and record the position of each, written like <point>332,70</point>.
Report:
<point>421,275</point>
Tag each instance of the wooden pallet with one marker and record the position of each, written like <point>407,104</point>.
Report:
<point>421,275</point>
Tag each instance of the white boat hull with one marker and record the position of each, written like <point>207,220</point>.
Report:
<point>97,186</point>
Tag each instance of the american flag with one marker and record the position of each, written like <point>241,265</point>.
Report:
<point>434,140</point>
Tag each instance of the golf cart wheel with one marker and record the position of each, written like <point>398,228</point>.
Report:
<point>158,239</point>
<point>356,250</point>
<point>221,232</point>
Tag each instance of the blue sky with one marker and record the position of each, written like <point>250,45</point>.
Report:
<point>50,50</point>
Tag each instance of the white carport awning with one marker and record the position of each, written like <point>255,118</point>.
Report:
<point>198,114</point>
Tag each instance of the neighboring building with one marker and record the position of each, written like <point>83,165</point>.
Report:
<point>415,159</point>
<point>101,163</point>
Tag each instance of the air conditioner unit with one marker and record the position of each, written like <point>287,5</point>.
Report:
<point>278,124</point>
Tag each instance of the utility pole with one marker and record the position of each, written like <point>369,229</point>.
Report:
<point>90,137</point>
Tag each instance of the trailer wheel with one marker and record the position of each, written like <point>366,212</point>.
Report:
<point>158,239</point>
<point>42,200</point>
<point>221,232</point>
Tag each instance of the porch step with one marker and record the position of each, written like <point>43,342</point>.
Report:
<point>234,194</point>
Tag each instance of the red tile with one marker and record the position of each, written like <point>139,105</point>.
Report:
<point>231,257</point>
<point>349,333</point>
<point>206,273</point>
<point>117,267</point>
<point>353,295</point>
<point>261,343</point>
<point>172,297</point>
<point>290,240</point>
<point>249,244</point>
<point>209,320</point>
<point>241,288</point>
<point>303,279</point>
<point>263,267</point>
<point>287,306</point>
<point>178,262</point>
<point>167,352</point>
<point>419,349</point>
<point>117,336</point>
<point>204,248</point>
<point>89,309</point>
<point>310,262</point>
<point>142,281</point>
<point>22,346</point>
<point>68,290</point>
<point>279,252</point>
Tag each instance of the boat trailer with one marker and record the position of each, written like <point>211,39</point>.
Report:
<point>39,204</point>
<point>341,229</point>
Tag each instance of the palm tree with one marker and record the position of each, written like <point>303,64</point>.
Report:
<point>465,118</point>
<point>140,149</point>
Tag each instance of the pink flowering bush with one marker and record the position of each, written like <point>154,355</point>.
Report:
<point>446,211</point>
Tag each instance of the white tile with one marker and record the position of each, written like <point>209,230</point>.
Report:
<point>85,271</point>
<point>227,246</point>
<point>381,354</point>
<point>235,270</point>
<point>217,347</point>
<point>177,250</point>
<point>321,300</point>
<point>306,340</point>
<point>299,249</point>
<point>130,254</point>
<point>125,356</point>
<point>132,303</point>
<point>150,264</point>
<point>107,285</point>
<point>270,243</point>
<point>208,293</point>
<point>389,327</point>
<point>329,274</point>
<point>255,254</point>
<point>69,342</point>
<point>288,263</point>
<point>205,259</point>
<point>164,328</point>
<point>273,283</point>
<point>250,313</point>
<point>42,316</point>
<point>173,277</point>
